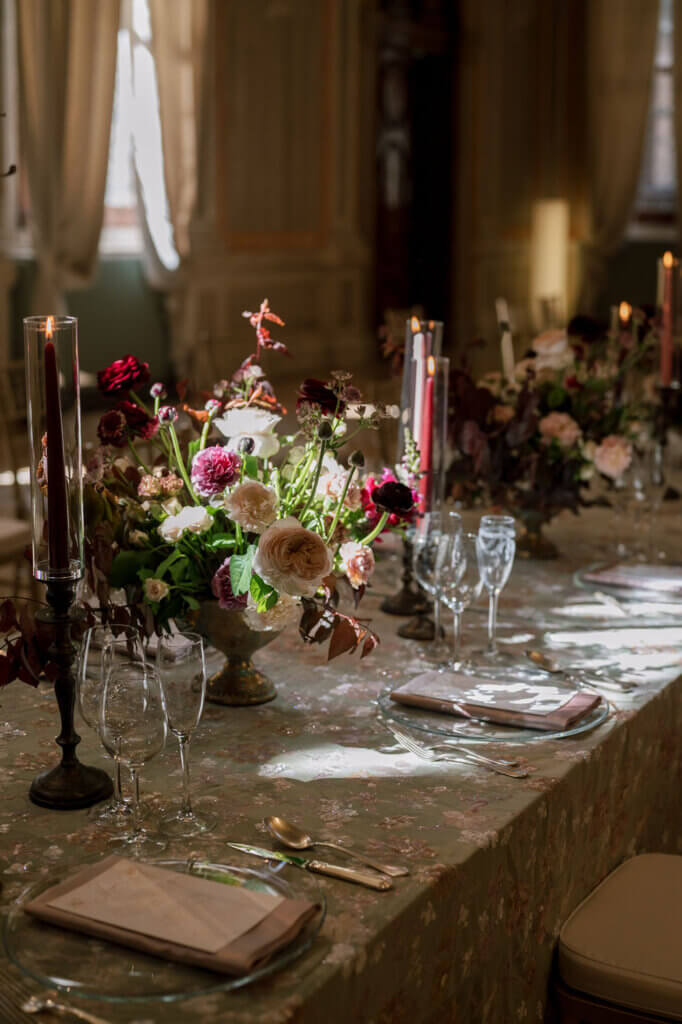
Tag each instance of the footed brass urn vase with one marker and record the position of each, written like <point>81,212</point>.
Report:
<point>238,682</point>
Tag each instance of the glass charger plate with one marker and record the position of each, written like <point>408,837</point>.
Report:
<point>650,595</point>
<point>439,724</point>
<point>95,969</point>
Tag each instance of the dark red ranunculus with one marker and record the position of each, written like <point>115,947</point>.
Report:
<point>372,509</point>
<point>113,429</point>
<point>394,497</point>
<point>138,422</point>
<point>127,374</point>
<point>316,392</point>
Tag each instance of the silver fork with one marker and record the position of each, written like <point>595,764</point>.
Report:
<point>468,756</point>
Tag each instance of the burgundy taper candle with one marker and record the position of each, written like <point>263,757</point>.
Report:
<point>57,507</point>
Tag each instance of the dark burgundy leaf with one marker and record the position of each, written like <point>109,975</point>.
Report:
<point>371,641</point>
<point>344,638</point>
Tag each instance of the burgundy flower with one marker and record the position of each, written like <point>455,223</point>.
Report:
<point>373,508</point>
<point>123,375</point>
<point>138,422</point>
<point>316,392</point>
<point>222,588</point>
<point>113,429</point>
<point>394,497</point>
<point>214,469</point>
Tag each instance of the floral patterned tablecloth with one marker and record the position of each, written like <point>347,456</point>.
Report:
<point>496,864</point>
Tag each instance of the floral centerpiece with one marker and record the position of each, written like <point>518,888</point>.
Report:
<point>209,516</point>
<point>532,444</point>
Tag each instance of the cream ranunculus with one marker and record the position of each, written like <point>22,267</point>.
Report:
<point>292,559</point>
<point>252,422</point>
<point>357,561</point>
<point>286,610</point>
<point>331,485</point>
<point>155,590</point>
<point>191,519</point>
<point>613,456</point>
<point>252,505</point>
<point>560,427</point>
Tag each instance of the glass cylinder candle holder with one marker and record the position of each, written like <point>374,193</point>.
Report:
<point>54,429</point>
<point>423,338</point>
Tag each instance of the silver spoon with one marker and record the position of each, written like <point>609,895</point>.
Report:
<point>549,665</point>
<point>37,1004</point>
<point>297,839</point>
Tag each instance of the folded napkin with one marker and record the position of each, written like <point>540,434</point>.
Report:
<point>534,705</point>
<point>225,928</point>
<point>665,578</point>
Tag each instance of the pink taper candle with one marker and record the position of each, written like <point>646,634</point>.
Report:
<point>667,326</point>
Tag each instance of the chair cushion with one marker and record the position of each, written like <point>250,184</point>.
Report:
<point>15,534</point>
<point>623,944</point>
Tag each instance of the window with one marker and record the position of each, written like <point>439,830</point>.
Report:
<point>655,209</point>
<point>136,146</point>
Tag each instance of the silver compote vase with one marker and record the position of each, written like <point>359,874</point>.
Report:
<point>238,682</point>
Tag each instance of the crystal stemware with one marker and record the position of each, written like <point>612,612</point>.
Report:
<point>495,549</point>
<point>429,551</point>
<point>91,669</point>
<point>133,726</point>
<point>182,670</point>
<point>461,585</point>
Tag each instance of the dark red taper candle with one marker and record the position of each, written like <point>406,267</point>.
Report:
<point>57,507</point>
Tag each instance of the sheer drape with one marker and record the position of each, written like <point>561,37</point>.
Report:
<point>621,37</point>
<point>67,63</point>
<point>677,86</point>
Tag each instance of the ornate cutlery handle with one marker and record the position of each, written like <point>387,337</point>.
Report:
<point>385,869</point>
<point>372,881</point>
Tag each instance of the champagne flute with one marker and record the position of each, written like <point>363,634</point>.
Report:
<point>495,549</point>
<point>430,544</point>
<point>461,585</point>
<point>133,726</point>
<point>91,669</point>
<point>182,670</point>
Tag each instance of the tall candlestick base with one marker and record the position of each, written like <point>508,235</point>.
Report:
<point>408,600</point>
<point>70,785</point>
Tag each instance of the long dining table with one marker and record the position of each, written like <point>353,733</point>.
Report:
<point>496,863</point>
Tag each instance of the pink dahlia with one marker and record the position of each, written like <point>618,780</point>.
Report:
<point>221,586</point>
<point>214,469</point>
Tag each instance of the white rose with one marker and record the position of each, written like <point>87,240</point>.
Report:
<point>155,590</point>
<point>172,506</point>
<point>280,615</point>
<point>253,505</point>
<point>250,421</point>
<point>137,538</point>
<point>194,519</point>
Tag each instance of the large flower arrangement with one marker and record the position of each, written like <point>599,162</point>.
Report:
<point>227,509</point>
<point>574,408</point>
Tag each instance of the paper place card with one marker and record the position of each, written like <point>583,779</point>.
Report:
<point>527,697</point>
<point>178,908</point>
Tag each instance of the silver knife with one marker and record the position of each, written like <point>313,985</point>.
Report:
<point>319,867</point>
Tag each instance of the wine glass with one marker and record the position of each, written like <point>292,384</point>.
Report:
<point>429,551</point>
<point>182,670</point>
<point>461,585</point>
<point>495,549</point>
<point>91,669</point>
<point>132,725</point>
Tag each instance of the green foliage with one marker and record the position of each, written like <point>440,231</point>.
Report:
<point>240,570</point>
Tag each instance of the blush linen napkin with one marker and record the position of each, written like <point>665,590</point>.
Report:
<point>179,917</point>
<point>533,705</point>
<point>666,579</point>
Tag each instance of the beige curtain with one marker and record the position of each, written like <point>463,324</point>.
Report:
<point>677,86</point>
<point>67,64</point>
<point>621,37</point>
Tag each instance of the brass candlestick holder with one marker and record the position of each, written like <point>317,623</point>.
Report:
<point>54,430</point>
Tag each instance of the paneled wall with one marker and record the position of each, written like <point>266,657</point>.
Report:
<point>285,206</point>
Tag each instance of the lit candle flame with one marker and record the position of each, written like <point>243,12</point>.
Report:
<point>667,260</point>
<point>49,327</point>
<point>415,326</point>
<point>624,311</point>
<point>431,366</point>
